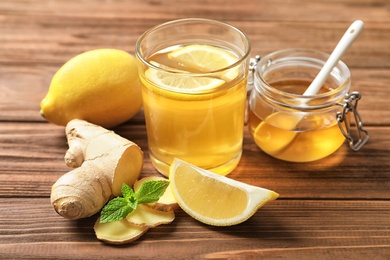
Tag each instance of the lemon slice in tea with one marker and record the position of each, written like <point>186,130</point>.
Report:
<point>206,58</point>
<point>214,199</point>
<point>182,83</point>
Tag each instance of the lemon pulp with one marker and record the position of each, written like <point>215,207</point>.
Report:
<point>209,202</point>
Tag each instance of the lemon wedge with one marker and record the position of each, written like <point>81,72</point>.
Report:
<point>206,58</point>
<point>214,199</point>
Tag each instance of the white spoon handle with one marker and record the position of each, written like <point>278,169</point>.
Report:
<point>350,35</point>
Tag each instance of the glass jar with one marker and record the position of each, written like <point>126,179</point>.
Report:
<point>291,126</point>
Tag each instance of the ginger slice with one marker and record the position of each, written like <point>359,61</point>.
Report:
<point>167,201</point>
<point>103,162</point>
<point>147,217</point>
<point>118,232</point>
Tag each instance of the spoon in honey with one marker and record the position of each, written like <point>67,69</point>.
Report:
<point>275,143</point>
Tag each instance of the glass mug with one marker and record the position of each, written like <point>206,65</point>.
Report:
<point>194,76</point>
<point>290,126</point>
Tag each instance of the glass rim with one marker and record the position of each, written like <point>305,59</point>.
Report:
<point>199,21</point>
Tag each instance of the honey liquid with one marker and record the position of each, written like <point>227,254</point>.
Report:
<point>290,137</point>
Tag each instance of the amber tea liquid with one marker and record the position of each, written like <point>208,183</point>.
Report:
<point>204,128</point>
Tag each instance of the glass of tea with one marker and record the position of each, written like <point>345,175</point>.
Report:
<point>194,75</point>
<point>288,125</point>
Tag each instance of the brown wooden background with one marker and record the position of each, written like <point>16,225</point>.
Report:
<point>335,208</point>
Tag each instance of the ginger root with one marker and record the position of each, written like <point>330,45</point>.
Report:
<point>133,226</point>
<point>103,161</point>
<point>118,232</point>
<point>147,217</point>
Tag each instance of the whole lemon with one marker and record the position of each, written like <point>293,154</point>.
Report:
<point>100,86</point>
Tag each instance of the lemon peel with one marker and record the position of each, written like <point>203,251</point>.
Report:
<point>100,86</point>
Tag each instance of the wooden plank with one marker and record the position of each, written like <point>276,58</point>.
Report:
<point>318,253</point>
<point>304,10</point>
<point>31,159</point>
<point>56,32</point>
<point>29,228</point>
<point>23,88</point>
<point>54,40</point>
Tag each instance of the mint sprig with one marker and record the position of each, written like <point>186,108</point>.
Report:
<point>119,207</point>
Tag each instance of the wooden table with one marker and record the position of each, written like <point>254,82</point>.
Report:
<point>335,208</point>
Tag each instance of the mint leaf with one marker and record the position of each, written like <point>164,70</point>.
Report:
<point>116,209</point>
<point>151,191</point>
<point>119,207</point>
<point>127,191</point>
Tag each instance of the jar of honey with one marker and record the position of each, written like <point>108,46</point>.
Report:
<point>291,126</point>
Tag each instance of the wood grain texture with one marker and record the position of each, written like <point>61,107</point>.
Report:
<point>335,208</point>
<point>269,233</point>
